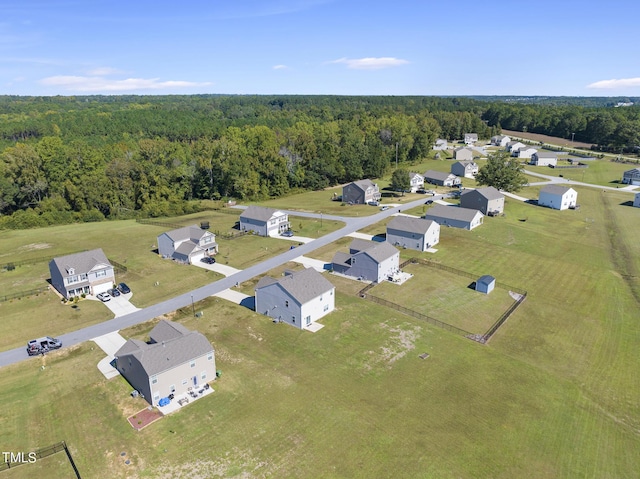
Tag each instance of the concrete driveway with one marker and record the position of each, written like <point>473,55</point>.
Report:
<point>109,343</point>
<point>120,305</point>
<point>316,264</point>
<point>223,269</point>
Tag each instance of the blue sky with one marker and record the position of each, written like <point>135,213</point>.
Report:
<point>344,47</point>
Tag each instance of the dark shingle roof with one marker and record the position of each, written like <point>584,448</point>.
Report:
<point>437,175</point>
<point>81,262</point>
<point>302,285</point>
<point>364,184</point>
<point>555,189</point>
<point>258,213</point>
<point>193,232</point>
<point>411,225</point>
<point>488,192</point>
<point>453,212</point>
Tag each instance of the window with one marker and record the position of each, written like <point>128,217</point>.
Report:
<point>185,382</point>
<point>210,357</point>
<point>154,379</point>
<point>193,364</point>
<point>203,375</point>
<point>293,319</point>
<point>308,320</point>
<point>326,307</point>
<point>286,303</point>
<point>206,240</point>
<point>101,273</point>
<point>172,388</point>
<point>73,279</point>
<point>156,397</point>
<point>320,297</point>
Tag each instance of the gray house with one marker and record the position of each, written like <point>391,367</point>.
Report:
<point>454,216</point>
<point>470,138</point>
<point>485,284</point>
<point>488,200</point>
<point>544,158</point>
<point>636,200</point>
<point>88,272</point>
<point>264,221</point>
<point>413,233</point>
<point>172,362</point>
<point>463,154</point>
<point>361,192</point>
<point>441,179</point>
<point>298,298</point>
<point>187,245</point>
<point>368,260</point>
<point>631,177</point>
<point>467,169</point>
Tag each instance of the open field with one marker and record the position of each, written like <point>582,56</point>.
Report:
<point>554,393</point>
<point>552,140</point>
<point>600,172</point>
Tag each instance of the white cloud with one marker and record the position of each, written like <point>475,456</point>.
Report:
<point>280,67</point>
<point>104,71</point>
<point>371,63</point>
<point>98,83</point>
<point>612,84</point>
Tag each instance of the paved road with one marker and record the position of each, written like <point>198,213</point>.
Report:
<point>186,300</point>
<point>564,181</point>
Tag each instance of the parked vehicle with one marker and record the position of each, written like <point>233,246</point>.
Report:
<point>42,345</point>
<point>123,288</point>
<point>208,260</point>
<point>374,203</point>
<point>384,208</point>
<point>287,234</point>
<point>428,202</point>
<point>104,297</point>
<point>113,292</point>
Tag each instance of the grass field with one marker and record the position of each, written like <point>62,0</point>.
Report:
<point>553,395</point>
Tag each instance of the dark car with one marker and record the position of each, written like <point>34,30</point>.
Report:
<point>287,234</point>
<point>123,288</point>
<point>114,292</point>
<point>428,202</point>
<point>208,260</point>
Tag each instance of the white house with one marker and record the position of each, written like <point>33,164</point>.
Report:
<point>264,221</point>
<point>544,158</point>
<point>514,146</point>
<point>470,138</point>
<point>413,233</point>
<point>441,144</point>
<point>88,272</point>
<point>467,169</point>
<point>500,140</point>
<point>298,298</point>
<point>526,152</point>
<point>187,245</point>
<point>416,180</point>
<point>558,197</point>
<point>636,200</point>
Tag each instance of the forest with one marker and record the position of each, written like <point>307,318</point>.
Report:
<point>90,158</point>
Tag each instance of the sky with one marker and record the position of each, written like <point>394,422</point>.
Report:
<point>340,47</point>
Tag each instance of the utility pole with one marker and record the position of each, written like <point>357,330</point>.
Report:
<point>396,155</point>
<point>572,135</point>
<point>193,307</point>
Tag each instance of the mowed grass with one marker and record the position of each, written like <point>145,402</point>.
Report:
<point>553,394</point>
<point>599,172</point>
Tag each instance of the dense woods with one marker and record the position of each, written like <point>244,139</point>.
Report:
<point>65,159</point>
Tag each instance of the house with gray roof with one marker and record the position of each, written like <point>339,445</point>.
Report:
<point>264,221</point>
<point>416,181</point>
<point>631,177</point>
<point>455,216</point>
<point>558,197</point>
<point>361,192</point>
<point>187,245</point>
<point>441,178</point>
<point>487,200</point>
<point>466,169</point>
<point>526,151</point>
<point>298,298</point>
<point>413,233</point>
<point>174,361</point>
<point>485,284</point>
<point>88,272</point>
<point>441,144</point>
<point>463,154</point>
<point>514,146</point>
<point>368,260</point>
<point>470,138</point>
<point>544,158</point>
<point>500,140</point>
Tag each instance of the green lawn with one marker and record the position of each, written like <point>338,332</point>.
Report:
<point>599,172</point>
<point>553,394</point>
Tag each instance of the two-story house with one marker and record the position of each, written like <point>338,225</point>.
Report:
<point>368,260</point>
<point>416,182</point>
<point>187,245</point>
<point>88,272</point>
<point>264,221</point>
<point>466,169</point>
<point>413,233</point>
<point>361,192</point>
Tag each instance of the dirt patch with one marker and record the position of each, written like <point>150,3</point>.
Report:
<point>34,246</point>
<point>143,418</point>
<point>552,140</point>
<point>397,345</point>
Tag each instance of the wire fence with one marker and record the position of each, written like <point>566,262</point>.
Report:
<point>23,294</point>
<point>20,459</point>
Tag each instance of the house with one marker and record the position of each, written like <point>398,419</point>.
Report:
<point>636,200</point>
<point>526,152</point>
<point>544,158</point>
<point>463,154</point>
<point>298,298</point>
<point>440,178</point>
<point>88,272</point>
<point>361,192</point>
<point>187,245</point>
<point>514,146</point>
<point>175,360</point>
<point>467,169</point>
<point>487,200</point>
<point>368,260</point>
<point>558,197</point>
<point>416,180</point>
<point>441,144</point>
<point>413,233</point>
<point>465,218</point>
<point>470,138</point>
<point>631,177</point>
<point>500,140</point>
<point>485,284</point>
<point>264,221</point>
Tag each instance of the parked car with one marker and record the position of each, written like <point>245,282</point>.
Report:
<point>384,208</point>
<point>113,292</point>
<point>208,260</point>
<point>428,202</point>
<point>287,234</point>
<point>374,203</point>
<point>104,297</point>
<point>123,288</point>
<point>42,345</point>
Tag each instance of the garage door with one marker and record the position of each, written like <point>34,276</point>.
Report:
<point>195,257</point>
<point>101,288</point>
